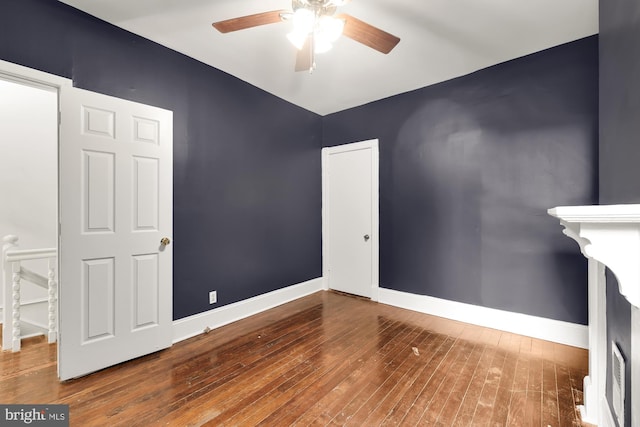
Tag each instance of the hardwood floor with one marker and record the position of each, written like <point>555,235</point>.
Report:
<point>326,359</point>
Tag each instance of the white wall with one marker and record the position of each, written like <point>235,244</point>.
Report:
<point>28,170</point>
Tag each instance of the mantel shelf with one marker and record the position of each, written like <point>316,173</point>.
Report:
<point>609,234</point>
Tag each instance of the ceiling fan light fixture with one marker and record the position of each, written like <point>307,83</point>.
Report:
<point>329,28</point>
<point>297,38</point>
<point>303,20</point>
<point>303,24</point>
<point>325,31</point>
<point>321,45</point>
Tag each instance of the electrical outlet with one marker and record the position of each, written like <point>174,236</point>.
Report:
<point>213,297</point>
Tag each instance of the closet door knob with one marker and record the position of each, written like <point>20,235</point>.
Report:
<point>165,241</point>
<point>366,237</point>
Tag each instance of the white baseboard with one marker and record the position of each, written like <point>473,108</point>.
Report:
<point>523,324</point>
<point>193,325</point>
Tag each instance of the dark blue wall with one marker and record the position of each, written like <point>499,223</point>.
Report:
<point>619,147</point>
<point>247,179</point>
<point>468,169</point>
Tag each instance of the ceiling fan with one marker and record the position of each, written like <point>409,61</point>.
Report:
<point>315,27</point>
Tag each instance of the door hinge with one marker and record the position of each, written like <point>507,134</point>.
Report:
<point>59,117</point>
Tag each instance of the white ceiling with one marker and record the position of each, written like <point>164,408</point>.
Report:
<point>440,40</point>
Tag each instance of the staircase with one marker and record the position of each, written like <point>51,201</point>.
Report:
<point>14,273</point>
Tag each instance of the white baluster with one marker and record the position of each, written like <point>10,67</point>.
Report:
<point>10,242</point>
<point>16,306</point>
<point>53,298</point>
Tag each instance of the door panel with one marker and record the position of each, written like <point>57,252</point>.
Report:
<point>145,287</point>
<point>97,299</point>
<point>115,207</point>
<point>350,206</point>
<point>145,193</point>
<point>97,196</point>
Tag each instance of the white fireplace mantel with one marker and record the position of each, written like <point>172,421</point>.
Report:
<point>608,235</point>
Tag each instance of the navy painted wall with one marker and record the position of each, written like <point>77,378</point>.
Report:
<point>619,148</point>
<point>468,169</point>
<point>247,179</point>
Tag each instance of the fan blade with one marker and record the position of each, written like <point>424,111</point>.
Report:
<point>304,58</point>
<point>367,34</point>
<point>249,21</point>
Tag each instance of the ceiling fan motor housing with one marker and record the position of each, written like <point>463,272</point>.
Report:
<point>320,7</point>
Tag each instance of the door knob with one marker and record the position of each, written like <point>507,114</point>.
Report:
<point>366,237</point>
<point>165,241</point>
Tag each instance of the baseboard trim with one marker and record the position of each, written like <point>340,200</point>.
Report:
<point>194,325</point>
<point>523,324</point>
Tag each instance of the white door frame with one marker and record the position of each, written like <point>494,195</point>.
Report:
<point>375,234</point>
<point>36,78</point>
<point>39,79</point>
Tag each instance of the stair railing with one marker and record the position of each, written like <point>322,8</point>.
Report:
<point>13,273</point>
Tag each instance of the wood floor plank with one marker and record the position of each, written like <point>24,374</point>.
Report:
<point>516,416</point>
<point>521,375</point>
<point>566,406</point>
<point>423,388</point>
<point>427,393</point>
<point>535,374</point>
<point>533,408</point>
<point>460,354</point>
<point>505,388</point>
<point>432,355</point>
<point>325,359</point>
<point>472,396</point>
<point>454,400</point>
<point>422,382</point>
<point>550,412</point>
<point>517,407</point>
<point>525,345</point>
<point>485,405</point>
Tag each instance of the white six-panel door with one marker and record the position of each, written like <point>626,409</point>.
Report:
<point>115,207</point>
<point>350,218</point>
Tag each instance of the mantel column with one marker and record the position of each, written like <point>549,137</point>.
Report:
<point>608,235</point>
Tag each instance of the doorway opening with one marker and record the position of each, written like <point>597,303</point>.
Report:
<point>29,208</point>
